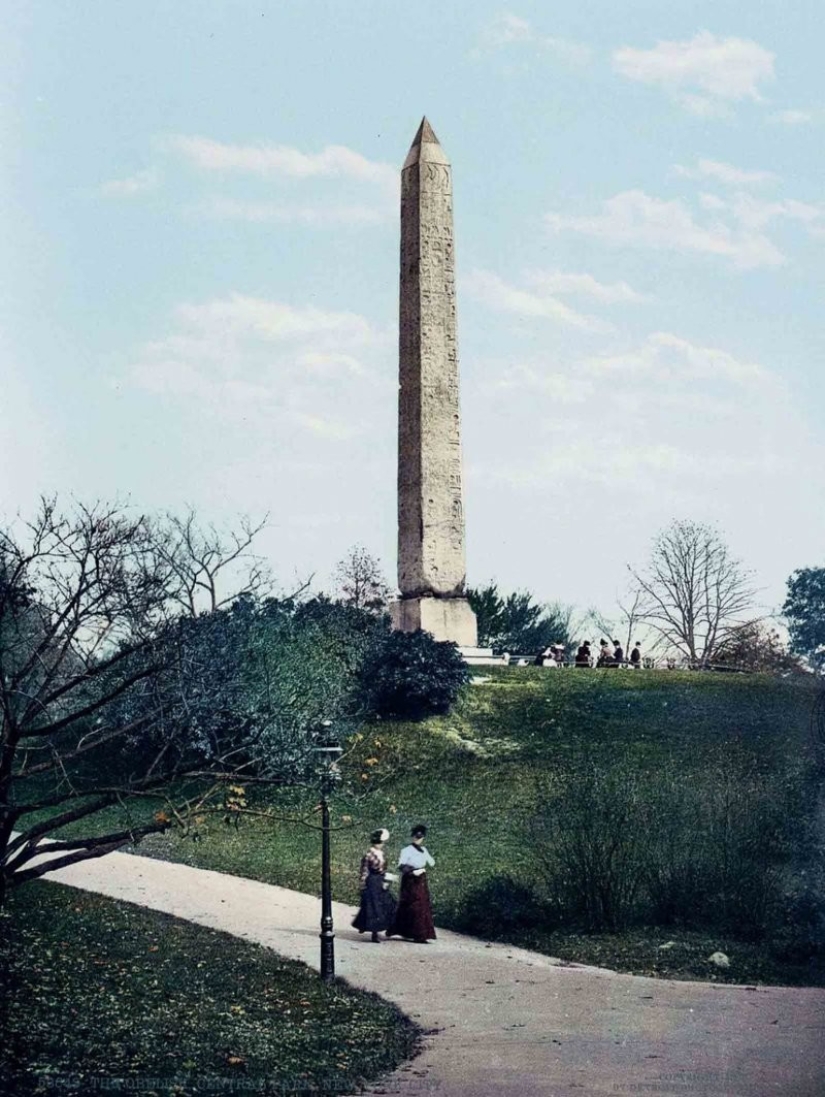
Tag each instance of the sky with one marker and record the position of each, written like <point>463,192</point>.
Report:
<point>199,272</point>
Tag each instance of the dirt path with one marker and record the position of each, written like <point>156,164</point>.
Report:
<point>506,1021</point>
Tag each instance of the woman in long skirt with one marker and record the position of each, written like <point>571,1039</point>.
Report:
<point>414,917</point>
<point>377,908</point>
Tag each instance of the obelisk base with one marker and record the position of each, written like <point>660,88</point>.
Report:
<point>446,618</point>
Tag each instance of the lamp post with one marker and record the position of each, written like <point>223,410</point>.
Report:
<point>327,755</point>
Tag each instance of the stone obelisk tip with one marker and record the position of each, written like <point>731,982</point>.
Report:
<point>425,147</point>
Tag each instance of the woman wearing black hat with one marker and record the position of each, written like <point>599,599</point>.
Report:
<point>414,917</point>
<point>377,908</point>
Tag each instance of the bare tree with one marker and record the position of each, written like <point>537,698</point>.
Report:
<point>90,622</point>
<point>200,560</point>
<point>625,620</point>
<point>630,616</point>
<point>694,594</point>
<point>361,582</point>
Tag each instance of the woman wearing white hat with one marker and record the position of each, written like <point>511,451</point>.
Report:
<point>377,909</point>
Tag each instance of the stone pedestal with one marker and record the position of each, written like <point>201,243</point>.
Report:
<point>446,618</point>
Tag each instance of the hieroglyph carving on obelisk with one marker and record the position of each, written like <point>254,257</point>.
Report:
<point>431,562</point>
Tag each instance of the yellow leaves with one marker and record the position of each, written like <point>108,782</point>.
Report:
<point>154,948</point>
<point>377,742</point>
<point>393,810</point>
<point>370,761</point>
<point>236,1060</point>
<point>235,798</point>
<point>365,777</point>
<point>237,1010</point>
<point>200,820</point>
<point>346,818</point>
<point>162,818</point>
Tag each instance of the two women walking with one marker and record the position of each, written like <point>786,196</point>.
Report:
<point>412,916</point>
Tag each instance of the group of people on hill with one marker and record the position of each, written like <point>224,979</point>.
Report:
<point>411,917</point>
<point>611,654</point>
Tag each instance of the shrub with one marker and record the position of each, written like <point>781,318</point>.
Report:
<point>712,848</point>
<point>410,675</point>
<point>592,848</point>
<point>502,906</point>
<point>799,934</point>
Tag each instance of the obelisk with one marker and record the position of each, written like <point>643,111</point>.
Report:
<point>431,566</point>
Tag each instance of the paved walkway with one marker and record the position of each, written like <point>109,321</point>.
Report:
<point>506,1021</point>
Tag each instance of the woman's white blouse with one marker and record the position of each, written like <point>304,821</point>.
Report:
<point>415,857</point>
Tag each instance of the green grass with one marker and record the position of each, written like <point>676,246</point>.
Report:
<point>475,777</point>
<point>98,989</point>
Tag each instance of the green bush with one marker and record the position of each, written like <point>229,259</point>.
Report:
<point>592,847</point>
<point>799,935</point>
<point>409,675</point>
<point>620,846</point>
<point>503,906</point>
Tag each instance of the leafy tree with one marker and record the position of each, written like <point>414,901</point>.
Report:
<point>516,623</point>
<point>361,582</point>
<point>694,594</point>
<point>805,610</point>
<point>488,606</point>
<point>757,647</point>
<point>410,675</point>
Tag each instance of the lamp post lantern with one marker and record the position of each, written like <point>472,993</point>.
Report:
<point>328,756</point>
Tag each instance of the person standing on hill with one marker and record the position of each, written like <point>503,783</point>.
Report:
<point>636,656</point>
<point>377,908</point>
<point>618,653</point>
<point>414,916</point>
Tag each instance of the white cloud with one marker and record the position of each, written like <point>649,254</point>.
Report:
<point>793,117</point>
<point>324,427</point>
<point>329,362</point>
<point>666,415</point>
<point>726,173</point>
<point>668,358</point>
<point>493,291</point>
<point>334,161</point>
<point>506,28</point>
<point>561,282</point>
<point>317,215</point>
<point>636,219</point>
<point>273,321</point>
<point>756,214</point>
<point>704,72</point>
<point>140,183</point>
<point>509,29</point>
<point>242,358</point>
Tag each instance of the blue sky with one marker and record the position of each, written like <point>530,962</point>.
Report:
<point>199,272</point>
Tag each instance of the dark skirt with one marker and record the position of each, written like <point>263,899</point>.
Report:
<point>377,908</point>
<point>414,917</point>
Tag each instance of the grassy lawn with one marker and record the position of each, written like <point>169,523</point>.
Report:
<point>477,778</point>
<point>98,989</point>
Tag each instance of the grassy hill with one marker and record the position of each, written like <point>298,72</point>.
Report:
<point>691,797</point>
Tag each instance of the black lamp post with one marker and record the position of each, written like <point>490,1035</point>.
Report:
<point>327,754</point>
